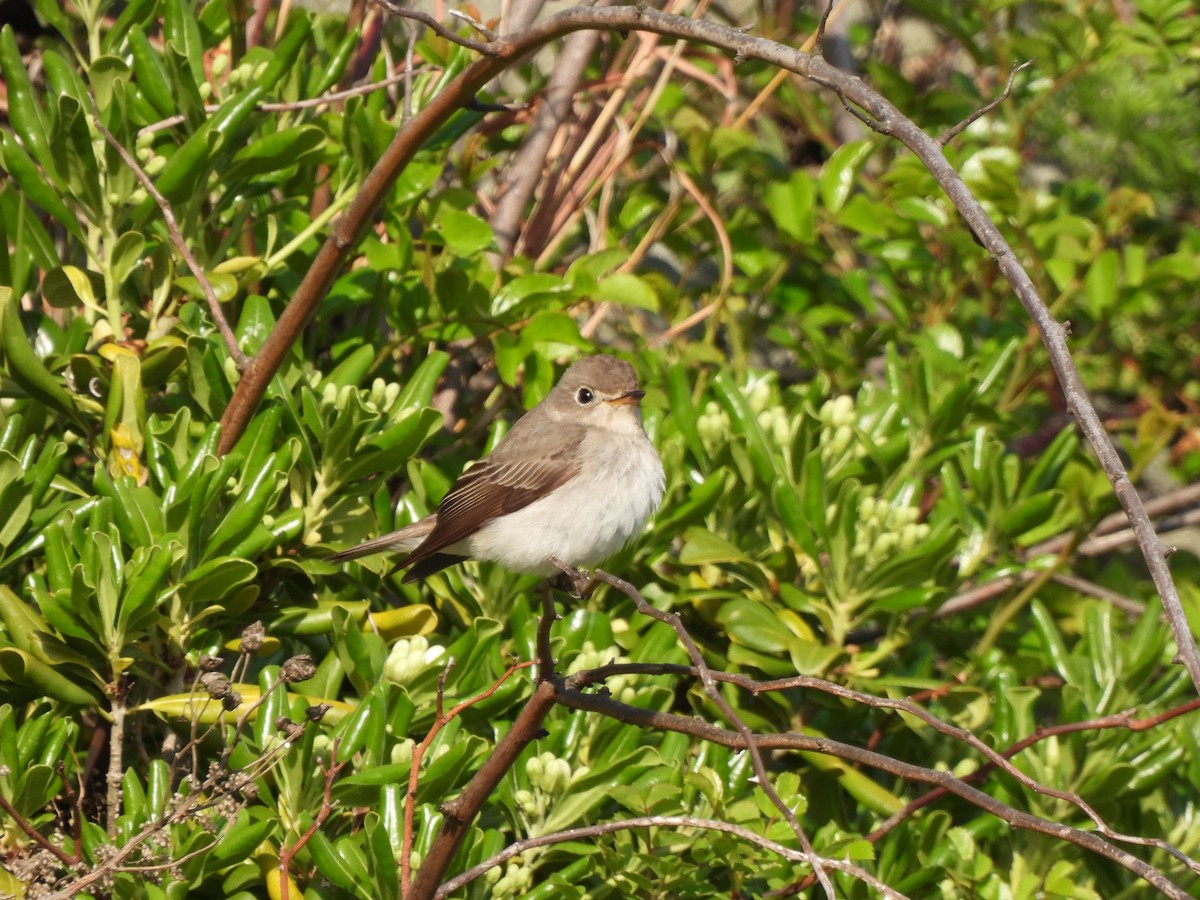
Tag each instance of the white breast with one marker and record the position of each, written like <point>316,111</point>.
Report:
<point>588,519</point>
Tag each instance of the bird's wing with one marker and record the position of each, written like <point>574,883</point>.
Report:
<point>496,486</point>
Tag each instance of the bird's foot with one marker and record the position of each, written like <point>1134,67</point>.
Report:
<point>576,582</point>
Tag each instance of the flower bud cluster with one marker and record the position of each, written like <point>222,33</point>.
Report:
<point>383,394</point>
<point>759,390</point>
<point>549,778</point>
<point>549,773</point>
<point>713,426</point>
<point>839,417</point>
<point>515,882</point>
<point>886,529</point>
<point>408,658</point>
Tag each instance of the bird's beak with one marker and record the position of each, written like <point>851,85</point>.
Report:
<point>630,398</point>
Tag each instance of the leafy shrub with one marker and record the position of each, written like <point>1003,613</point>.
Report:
<point>842,391</point>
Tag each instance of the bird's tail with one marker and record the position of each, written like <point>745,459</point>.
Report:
<point>403,541</point>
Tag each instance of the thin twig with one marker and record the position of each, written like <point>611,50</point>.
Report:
<point>710,688</point>
<point>461,811</point>
<point>590,832</point>
<point>862,116</point>
<point>989,590</point>
<point>287,854</point>
<point>1167,503</point>
<point>438,28</point>
<point>219,785</point>
<point>295,105</point>
<point>958,129</point>
<point>689,725</point>
<point>75,804</point>
<point>527,165</point>
<point>1123,720</point>
<point>418,754</point>
<point>820,41</point>
<point>1099,546</point>
<point>993,759</point>
<point>116,749</point>
<point>214,305</point>
<point>474,24</point>
<point>1100,592</point>
<point>971,740</point>
<point>34,834</point>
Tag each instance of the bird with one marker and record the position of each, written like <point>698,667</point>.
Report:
<point>573,481</point>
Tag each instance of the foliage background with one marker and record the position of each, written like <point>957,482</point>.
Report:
<point>857,423</point>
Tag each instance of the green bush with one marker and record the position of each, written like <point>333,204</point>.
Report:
<point>851,410</point>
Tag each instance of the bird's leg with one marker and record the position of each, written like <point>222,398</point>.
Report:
<point>576,582</point>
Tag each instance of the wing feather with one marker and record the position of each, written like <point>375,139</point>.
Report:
<point>496,486</point>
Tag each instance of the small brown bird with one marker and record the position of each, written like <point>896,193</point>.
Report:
<point>574,480</point>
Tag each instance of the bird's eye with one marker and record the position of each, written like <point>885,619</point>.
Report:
<point>584,396</point>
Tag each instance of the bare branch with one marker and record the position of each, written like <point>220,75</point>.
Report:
<point>419,751</point>
<point>824,22</point>
<point>593,831</point>
<point>308,103</point>
<point>474,24</point>
<point>605,705</point>
<point>287,854</point>
<point>859,114</point>
<point>989,590</point>
<point>526,168</point>
<point>460,812</point>
<point>439,29</point>
<point>35,835</point>
<point>995,759</point>
<point>1159,506</point>
<point>958,129</point>
<point>710,688</point>
<point>1123,720</point>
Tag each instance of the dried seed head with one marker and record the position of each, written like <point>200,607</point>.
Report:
<point>252,637</point>
<point>298,668</point>
<point>217,685</point>
<point>211,663</point>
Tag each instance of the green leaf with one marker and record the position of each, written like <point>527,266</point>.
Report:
<point>24,669</point>
<point>69,287</point>
<point>1100,285</point>
<point>755,625</point>
<point>418,390</point>
<point>465,234</point>
<point>702,547</point>
<point>150,73</point>
<point>224,285</point>
<point>126,255</point>
<point>23,365</point>
<point>344,870</point>
<point>840,170</point>
<point>39,188</point>
<point>255,324</point>
<point>25,113</point>
<point>524,288</point>
<point>791,204</point>
<point>626,289</point>
<point>277,150</point>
